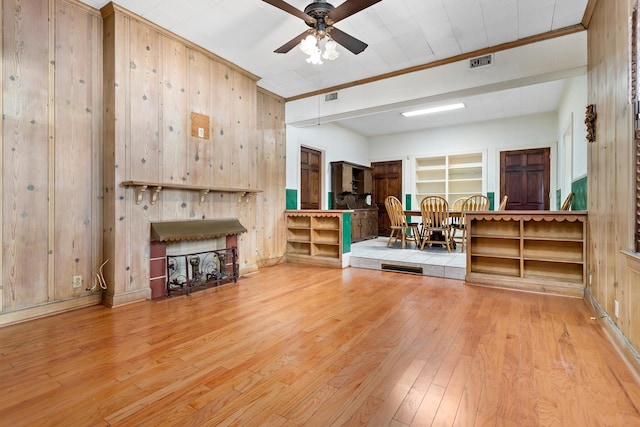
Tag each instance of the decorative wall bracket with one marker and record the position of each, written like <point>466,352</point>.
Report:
<point>590,120</point>
<point>245,197</point>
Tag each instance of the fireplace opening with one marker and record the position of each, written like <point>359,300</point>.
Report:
<point>200,270</point>
<point>192,255</point>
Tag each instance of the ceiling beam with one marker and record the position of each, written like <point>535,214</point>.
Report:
<point>504,46</point>
<point>588,13</point>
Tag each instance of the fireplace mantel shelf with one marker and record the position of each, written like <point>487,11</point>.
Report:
<point>156,187</point>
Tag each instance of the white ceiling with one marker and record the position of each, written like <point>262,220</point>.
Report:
<point>400,34</point>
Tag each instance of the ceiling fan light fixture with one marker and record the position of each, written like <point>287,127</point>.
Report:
<point>321,17</point>
<point>309,45</point>
<point>448,107</point>
<point>330,51</point>
<point>314,57</point>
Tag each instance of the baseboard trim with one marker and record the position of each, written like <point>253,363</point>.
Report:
<point>617,338</point>
<point>49,309</point>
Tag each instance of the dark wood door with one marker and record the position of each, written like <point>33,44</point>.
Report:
<point>310,178</point>
<point>387,181</point>
<point>524,178</point>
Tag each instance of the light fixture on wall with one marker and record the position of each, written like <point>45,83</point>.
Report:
<point>310,45</point>
<point>448,107</point>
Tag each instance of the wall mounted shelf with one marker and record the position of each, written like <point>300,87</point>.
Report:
<point>155,187</point>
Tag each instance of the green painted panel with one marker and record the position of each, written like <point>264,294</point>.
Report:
<point>346,232</point>
<point>407,204</point>
<point>292,198</point>
<point>558,199</point>
<point>579,188</point>
<point>492,197</point>
<point>330,200</point>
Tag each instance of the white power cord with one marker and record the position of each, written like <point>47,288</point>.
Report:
<point>99,280</point>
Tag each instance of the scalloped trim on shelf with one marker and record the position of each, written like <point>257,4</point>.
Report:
<point>548,216</point>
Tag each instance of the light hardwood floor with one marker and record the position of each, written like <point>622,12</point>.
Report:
<point>299,345</point>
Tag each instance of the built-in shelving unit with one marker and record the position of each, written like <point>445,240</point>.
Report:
<point>314,237</point>
<point>154,189</point>
<point>540,251</point>
<point>449,176</point>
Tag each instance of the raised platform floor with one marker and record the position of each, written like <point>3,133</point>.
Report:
<point>431,261</point>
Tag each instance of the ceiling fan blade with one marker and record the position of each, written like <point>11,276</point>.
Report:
<point>353,44</point>
<point>292,10</point>
<point>348,8</point>
<point>291,43</point>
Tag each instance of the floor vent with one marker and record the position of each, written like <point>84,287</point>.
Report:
<point>401,268</point>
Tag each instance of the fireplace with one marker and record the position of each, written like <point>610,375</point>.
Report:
<point>192,255</point>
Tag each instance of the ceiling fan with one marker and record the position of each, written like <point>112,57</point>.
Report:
<point>321,16</point>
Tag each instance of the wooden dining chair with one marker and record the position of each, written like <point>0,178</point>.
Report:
<point>566,205</point>
<point>477,202</point>
<point>435,222</point>
<point>456,206</point>
<point>503,203</point>
<point>399,224</point>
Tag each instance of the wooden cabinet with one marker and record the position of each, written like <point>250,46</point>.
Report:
<point>451,176</point>
<point>351,187</point>
<point>314,237</point>
<point>364,224</point>
<point>539,251</point>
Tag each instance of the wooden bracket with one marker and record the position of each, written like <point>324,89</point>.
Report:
<point>203,193</point>
<point>140,189</point>
<point>245,197</point>
<point>154,195</point>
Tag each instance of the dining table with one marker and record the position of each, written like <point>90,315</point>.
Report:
<point>454,215</point>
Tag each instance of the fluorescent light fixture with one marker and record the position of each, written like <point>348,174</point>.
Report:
<point>434,110</point>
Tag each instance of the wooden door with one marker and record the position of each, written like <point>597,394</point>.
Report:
<point>387,181</point>
<point>310,178</point>
<point>524,178</point>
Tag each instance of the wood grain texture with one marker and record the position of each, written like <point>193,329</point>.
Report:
<point>50,138</point>
<point>160,84</point>
<point>271,168</point>
<point>175,113</point>
<point>76,145</point>
<point>612,170</point>
<point>25,153</point>
<point>294,345</point>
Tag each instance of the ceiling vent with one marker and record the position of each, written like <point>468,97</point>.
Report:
<point>331,96</point>
<point>481,61</point>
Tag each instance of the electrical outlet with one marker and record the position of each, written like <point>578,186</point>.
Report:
<point>77,282</point>
<point>616,309</point>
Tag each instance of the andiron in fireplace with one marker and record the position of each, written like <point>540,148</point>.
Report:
<point>201,270</point>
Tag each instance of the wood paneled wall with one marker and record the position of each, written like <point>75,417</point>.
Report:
<point>270,233</point>
<point>91,100</point>
<point>154,81</point>
<point>612,262</point>
<point>51,174</point>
